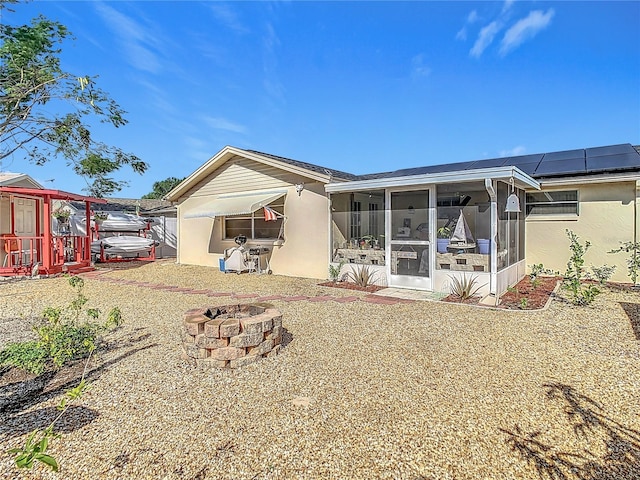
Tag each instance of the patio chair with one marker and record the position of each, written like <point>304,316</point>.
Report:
<point>12,249</point>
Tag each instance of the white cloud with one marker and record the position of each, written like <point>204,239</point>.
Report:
<point>507,5</point>
<point>271,82</point>
<point>525,29</point>
<point>471,18</point>
<point>139,42</point>
<point>228,17</point>
<point>514,152</point>
<point>485,37</point>
<point>218,123</point>
<point>418,67</point>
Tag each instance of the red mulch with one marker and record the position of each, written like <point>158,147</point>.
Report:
<point>536,297</point>
<point>352,286</point>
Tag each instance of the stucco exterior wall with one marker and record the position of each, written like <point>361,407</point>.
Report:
<point>304,252</point>
<point>607,216</point>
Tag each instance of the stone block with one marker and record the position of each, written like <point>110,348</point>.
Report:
<point>241,362</point>
<point>193,351</point>
<point>211,363</point>
<point>276,317</point>
<point>256,309</point>
<point>194,323</point>
<point>257,324</point>
<point>212,327</point>
<point>265,347</point>
<point>202,341</point>
<point>275,351</point>
<point>245,340</point>
<point>229,328</point>
<point>276,332</point>
<point>227,353</point>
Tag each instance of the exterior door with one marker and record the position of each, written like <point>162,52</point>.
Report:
<point>410,228</point>
<point>24,210</point>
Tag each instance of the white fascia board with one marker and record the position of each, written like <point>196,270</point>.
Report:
<point>521,179</point>
<point>228,153</point>
<point>607,178</point>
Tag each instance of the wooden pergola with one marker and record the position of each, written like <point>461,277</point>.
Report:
<point>42,251</point>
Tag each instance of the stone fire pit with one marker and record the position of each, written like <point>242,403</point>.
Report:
<point>231,336</point>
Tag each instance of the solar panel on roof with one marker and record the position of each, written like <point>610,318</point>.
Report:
<point>561,167</point>
<point>565,155</point>
<point>528,168</point>
<point>490,163</point>
<point>610,150</point>
<point>613,162</point>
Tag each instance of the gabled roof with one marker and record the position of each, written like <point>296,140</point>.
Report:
<point>553,166</point>
<point>310,166</point>
<point>315,172</point>
<point>14,179</point>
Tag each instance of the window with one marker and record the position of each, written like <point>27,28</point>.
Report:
<point>253,226</point>
<point>561,202</point>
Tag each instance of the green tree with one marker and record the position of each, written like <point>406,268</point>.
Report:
<point>45,112</point>
<point>161,188</point>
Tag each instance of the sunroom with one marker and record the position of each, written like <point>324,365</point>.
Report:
<point>421,231</point>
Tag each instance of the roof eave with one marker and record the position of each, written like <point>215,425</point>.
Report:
<point>521,179</point>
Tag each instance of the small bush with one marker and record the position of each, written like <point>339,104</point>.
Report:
<point>603,273</point>
<point>62,336</point>
<point>334,271</point>
<point>465,287</point>
<point>362,276</point>
<point>633,262</point>
<point>581,294</point>
<point>29,356</point>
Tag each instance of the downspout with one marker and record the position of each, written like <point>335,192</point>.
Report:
<point>178,222</point>
<point>493,285</point>
<point>636,230</point>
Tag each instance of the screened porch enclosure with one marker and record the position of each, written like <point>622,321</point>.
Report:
<point>424,236</point>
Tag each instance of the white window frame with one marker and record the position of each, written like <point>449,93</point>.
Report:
<point>554,216</point>
<point>278,206</point>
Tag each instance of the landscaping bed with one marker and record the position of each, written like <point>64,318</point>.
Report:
<point>523,296</point>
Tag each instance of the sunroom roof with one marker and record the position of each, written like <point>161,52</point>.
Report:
<point>506,173</point>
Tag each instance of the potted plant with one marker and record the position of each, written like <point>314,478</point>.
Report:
<point>99,217</point>
<point>61,215</point>
<point>444,234</point>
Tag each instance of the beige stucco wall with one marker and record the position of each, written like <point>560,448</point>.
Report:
<point>607,216</point>
<point>304,252</point>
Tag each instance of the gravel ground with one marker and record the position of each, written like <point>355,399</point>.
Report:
<point>421,390</point>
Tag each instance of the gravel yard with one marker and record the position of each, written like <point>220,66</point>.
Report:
<point>422,390</point>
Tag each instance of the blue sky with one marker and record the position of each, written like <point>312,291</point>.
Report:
<point>357,86</point>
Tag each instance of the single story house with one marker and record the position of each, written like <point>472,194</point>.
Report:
<point>496,216</point>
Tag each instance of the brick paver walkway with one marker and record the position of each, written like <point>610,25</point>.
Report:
<point>371,298</point>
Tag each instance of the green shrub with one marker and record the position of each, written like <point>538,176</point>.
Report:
<point>603,273</point>
<point>581,293</point>
<point>334,271</point>
<point>633,262</point>
<point>62,336</point>
<point>465,287</point>
<point>361,276</point>
<point>29,356</point>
